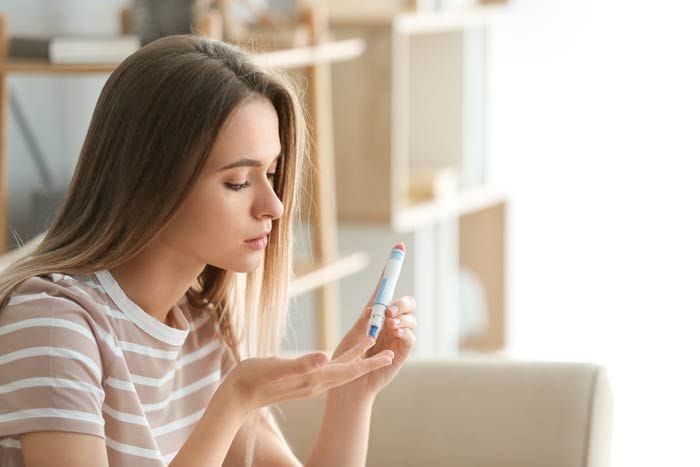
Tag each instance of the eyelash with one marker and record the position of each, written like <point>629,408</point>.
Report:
<point>240,186</point>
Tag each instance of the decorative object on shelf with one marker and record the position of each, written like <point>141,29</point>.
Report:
<point>74,49</point>
<point>279,25</point>
<point>427,183</point>
<point>153,19</point>
<point>242,22</point>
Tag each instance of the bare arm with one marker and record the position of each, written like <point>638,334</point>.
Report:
<point>344,434</point>
<point>270,449</point>
<point>63,449</point>
<point>212,436</point>
<point>342,440</point>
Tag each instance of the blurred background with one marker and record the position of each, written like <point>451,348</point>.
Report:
<point>538,157</point>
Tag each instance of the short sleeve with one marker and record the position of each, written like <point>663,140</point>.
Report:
<point>50,366</point>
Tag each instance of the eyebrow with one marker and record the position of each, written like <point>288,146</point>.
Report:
<point>245,163</point>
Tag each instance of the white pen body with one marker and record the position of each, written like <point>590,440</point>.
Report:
<point>385,292</point>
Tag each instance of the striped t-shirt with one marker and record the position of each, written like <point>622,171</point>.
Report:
<point>76,354</point>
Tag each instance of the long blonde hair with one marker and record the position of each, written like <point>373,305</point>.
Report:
<point>153,127</point>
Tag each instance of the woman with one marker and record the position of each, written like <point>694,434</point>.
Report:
<point>143,329</point>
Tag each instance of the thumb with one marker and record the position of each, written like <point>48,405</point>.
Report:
<point>374,294</point>
<point>361,322</point>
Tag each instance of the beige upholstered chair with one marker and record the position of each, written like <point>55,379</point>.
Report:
<point>479,412</point>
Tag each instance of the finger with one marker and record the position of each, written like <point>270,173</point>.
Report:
<point>376,289</point>
<point>302,365</point>
<point>344,373</point>
<point>329,376</point>
<point>356,351</point>
<point>406,304</point>
<point>361,322</point>
<point>406,340</point>
<point>403,341</point>
<point>403,321</point>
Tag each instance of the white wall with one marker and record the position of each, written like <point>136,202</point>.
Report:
<point>594,137</point>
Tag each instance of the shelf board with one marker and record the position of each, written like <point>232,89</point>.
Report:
<point>296,57</point>
<point>311,276</point>
<point>475,199</point>
<point>441,21</point>
<point>335,51</point>
<point>17,65</point>
<point>420,21</point>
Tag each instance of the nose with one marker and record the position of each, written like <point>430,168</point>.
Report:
<point>267,204</point>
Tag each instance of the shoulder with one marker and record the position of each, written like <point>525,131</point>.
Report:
<point>53,294</point>
<point>53,355</point>
<point>55,311</point>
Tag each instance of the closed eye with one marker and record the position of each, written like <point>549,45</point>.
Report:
<point>246,184</point>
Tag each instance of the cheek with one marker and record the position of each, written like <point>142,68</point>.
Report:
<point>221,214</point>
<point>210,219</point>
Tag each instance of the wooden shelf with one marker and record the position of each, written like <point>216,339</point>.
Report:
<point>315,61</point>
<point>417,21</point>
<point>460,204</point>
<point>39,66</point>
<point>327,52</point>
<point>420,109</point>
<point>311,276</point>
<point>445,21</point>
<point>288,58</point>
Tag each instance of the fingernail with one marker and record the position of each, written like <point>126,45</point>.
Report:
<point>393,309</point>
<point>390,354</point>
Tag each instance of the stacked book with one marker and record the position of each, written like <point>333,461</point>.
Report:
<point>74,49</point>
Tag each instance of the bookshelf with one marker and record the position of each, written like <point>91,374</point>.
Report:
<point>421,108</point>
<point>312,62</point>
<point>393,109</point>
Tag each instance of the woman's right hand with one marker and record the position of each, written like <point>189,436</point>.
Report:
<point>264,381</point>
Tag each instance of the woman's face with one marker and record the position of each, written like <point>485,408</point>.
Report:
<point>233,200</point>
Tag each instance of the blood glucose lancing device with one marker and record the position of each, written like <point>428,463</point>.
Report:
<point>385,292</point>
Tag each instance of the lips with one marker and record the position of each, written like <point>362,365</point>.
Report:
<point>259,237</point>
<point>257,244</point>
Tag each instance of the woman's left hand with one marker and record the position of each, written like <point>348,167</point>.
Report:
<point>396,335</point>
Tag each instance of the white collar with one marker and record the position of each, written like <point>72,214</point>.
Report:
<point>149,324</point>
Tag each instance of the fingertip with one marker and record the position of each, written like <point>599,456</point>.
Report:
<point>320,359</point>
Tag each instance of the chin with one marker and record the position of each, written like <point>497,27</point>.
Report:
<point>244,261</point>
<point>249,265</point>
<point>245,270</point>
